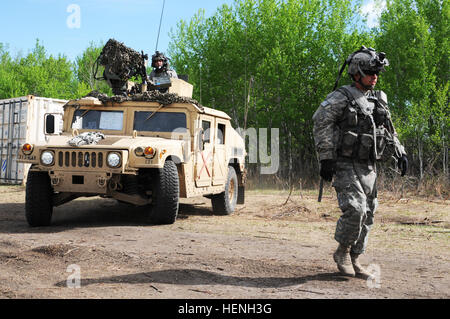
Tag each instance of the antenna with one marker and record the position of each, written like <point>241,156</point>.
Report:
<point>160,21</point>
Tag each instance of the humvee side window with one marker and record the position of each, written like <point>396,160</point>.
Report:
<point>98,120</point>
<point>221,134</point>
<point>159,122</point>
<point>206,126</point>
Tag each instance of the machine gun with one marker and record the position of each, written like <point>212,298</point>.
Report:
<point>121,64</point>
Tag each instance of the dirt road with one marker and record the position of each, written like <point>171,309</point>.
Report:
<point>269,248</point>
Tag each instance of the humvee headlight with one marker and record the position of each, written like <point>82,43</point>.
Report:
<point>149,152</point>
<point>113,160</point>
<point>47,158</point>
<point>27,149</point>
<point>139,151</point>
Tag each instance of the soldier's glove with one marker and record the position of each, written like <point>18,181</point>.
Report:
<point>403,164</point>
<point>327,169</point>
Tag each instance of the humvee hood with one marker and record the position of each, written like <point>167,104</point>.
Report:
<point>114,142</point>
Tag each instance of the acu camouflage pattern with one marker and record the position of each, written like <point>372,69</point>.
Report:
<point>355,185</point>
<point>332,112</point>
<point>355,179</point>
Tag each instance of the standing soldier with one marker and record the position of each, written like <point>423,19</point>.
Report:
<point>353,129</point>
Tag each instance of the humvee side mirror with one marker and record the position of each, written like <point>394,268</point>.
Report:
<point>49,124</point>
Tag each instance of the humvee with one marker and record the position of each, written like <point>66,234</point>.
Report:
<point>137,151</point>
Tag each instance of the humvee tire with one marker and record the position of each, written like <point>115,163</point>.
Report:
<point>166,194</point>
<point>38,199</point>
<point>225,202</point>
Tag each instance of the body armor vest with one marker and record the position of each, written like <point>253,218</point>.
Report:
<point>365,133</point>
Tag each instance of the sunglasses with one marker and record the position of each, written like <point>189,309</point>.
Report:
<point>371,72</point>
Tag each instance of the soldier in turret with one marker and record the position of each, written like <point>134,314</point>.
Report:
<point>160,64</point>
<point>352,130</point>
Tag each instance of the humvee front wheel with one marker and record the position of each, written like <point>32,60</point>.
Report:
<point>166,194</point>
<point>225,202</point>
<point>38,199</point>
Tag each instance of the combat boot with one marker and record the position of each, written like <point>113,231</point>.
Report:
<point>360,271</point>
<point>342,258</point>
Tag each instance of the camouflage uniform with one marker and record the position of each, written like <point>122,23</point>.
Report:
<point>348,114</point>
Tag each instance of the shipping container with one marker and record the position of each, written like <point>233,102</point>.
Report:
<point>22,120</point>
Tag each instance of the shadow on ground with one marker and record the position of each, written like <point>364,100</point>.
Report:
<point>89,213</point>
<point>202,277</point>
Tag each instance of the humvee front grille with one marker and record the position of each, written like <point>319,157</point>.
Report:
<point>80,159</point>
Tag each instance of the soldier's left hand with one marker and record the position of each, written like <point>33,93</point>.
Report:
<point>403,164</point>
<point>327,169</point>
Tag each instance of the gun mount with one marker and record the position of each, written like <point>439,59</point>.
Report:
<point>122,63</point>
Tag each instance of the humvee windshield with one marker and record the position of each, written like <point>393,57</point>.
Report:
<point>159,122</point>
<point>98,120</point>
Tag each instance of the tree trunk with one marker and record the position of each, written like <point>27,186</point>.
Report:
<point>420,149</point>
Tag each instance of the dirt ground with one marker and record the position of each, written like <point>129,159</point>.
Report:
<point>270,248</point>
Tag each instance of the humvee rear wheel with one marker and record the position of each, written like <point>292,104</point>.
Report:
<point>225,202</point>
<point>166,193</point>
<point>38,199</point>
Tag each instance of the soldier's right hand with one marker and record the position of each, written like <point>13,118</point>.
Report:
<point>327,169</point>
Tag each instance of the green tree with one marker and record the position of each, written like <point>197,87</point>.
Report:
<point>37,74</point>
<point>415,35</point>
<point>269,64</point>
<point>9,85</point>
<point>88,71</point>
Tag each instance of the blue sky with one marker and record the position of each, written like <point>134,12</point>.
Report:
<point>134,22</point>
<point>68,26</point>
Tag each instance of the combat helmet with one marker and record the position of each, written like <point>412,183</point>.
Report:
<point>160,56</point>
<point>364,61</point>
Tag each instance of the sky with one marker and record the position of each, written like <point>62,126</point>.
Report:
<point>68,26</point>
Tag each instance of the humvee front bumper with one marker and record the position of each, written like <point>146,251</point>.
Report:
<point>80,182</point>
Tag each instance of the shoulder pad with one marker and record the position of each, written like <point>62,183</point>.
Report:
<point>382,97</point>
<point>336,97</point>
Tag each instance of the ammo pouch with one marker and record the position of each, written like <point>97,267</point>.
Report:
<point>348,142</point>
<point>380,115</point>
<point>365,149</point>
<point>351,116</point>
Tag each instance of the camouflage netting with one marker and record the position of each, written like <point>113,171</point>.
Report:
<point>148,96</point>
<point>121,60</point>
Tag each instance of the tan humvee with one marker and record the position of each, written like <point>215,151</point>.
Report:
<point>139,152</point>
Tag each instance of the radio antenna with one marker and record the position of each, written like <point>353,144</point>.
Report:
<point>160,21</point>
